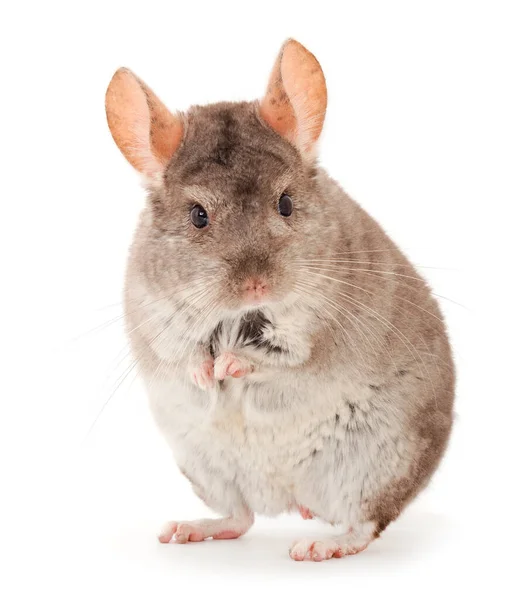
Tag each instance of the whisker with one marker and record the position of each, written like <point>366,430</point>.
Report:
<point>369,262</point>
<point>119,382</point>
<point>344,332</point>
<point>402,312</point>
<point>121,379</point>
<point>312,308</point>
<point>374,271</point>
<point>129,312</point>
<point>396,330</point>
<point>372,331</point>
<point>382,278</point>
<point>399,297</point>
<point>161,360</point>
<point>155,317</point>
<point>365,251</point>
<point>348,315</point>
<point>180,350</point>
<point>206,317</point>
<point>107,306</point>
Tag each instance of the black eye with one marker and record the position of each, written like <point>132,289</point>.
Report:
<point>285,205</point>
<point>199,217</point>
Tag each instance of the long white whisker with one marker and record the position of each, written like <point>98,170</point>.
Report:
<point>382,278</point>
<point>155,317</point>
<point>119,382</point>
<point>344,332</point>
<point>367,262</point>
<point>369,328</point>
<point>349,316</point>
<point>124,376</point>
<point>380,317</point>
<point>182,347</point>
<point>129,312</point>
<point>350,269</point>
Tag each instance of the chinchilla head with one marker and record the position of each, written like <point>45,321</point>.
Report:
<point>233,203</point>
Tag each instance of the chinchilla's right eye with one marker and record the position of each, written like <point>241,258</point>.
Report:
<point>199,217</point>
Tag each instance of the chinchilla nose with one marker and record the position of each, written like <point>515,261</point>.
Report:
<point>255,289</point>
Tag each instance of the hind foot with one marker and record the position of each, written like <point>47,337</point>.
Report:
<point>353,542</point>
<point>196,531</point>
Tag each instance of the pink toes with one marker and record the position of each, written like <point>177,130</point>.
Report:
<point>227,364</point>
<point>305,513</point>
<point>230,365</point>
<point>318,551</point>
<point>182,532</point>
<point>167,532</point>
<point>323,551</point>
<point>203,375</point>
<point>188,533</point>
<point>197,531</point>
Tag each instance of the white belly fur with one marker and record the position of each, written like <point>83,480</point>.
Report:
<point>323,452</point>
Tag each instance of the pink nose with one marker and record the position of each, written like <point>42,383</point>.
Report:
<point>255,288</point>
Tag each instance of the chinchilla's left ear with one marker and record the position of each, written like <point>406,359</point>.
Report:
<point>296,98</point>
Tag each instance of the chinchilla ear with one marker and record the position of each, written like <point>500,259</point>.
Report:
<point>296,98</point>
<point>145,131</point>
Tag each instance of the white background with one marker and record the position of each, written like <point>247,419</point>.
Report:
<point>423,129</point>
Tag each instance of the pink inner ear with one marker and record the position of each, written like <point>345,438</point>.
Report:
<point>166,129</point>
<point>296,97</point>
<point>143,128</point>
<point>305,85</point>
<point>276,108</point>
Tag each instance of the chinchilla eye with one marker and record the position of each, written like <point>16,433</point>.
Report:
<point>285,205</point>
<point>199,217</point>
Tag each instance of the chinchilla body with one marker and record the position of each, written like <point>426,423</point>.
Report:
<point>293,356</point>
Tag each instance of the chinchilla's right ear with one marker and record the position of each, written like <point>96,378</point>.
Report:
<point>145,131</point>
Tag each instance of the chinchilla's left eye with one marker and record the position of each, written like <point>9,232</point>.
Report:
<point>285,205</point>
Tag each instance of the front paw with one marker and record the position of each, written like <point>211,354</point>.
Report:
<point>229,364</point>
<point>202,374</point>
